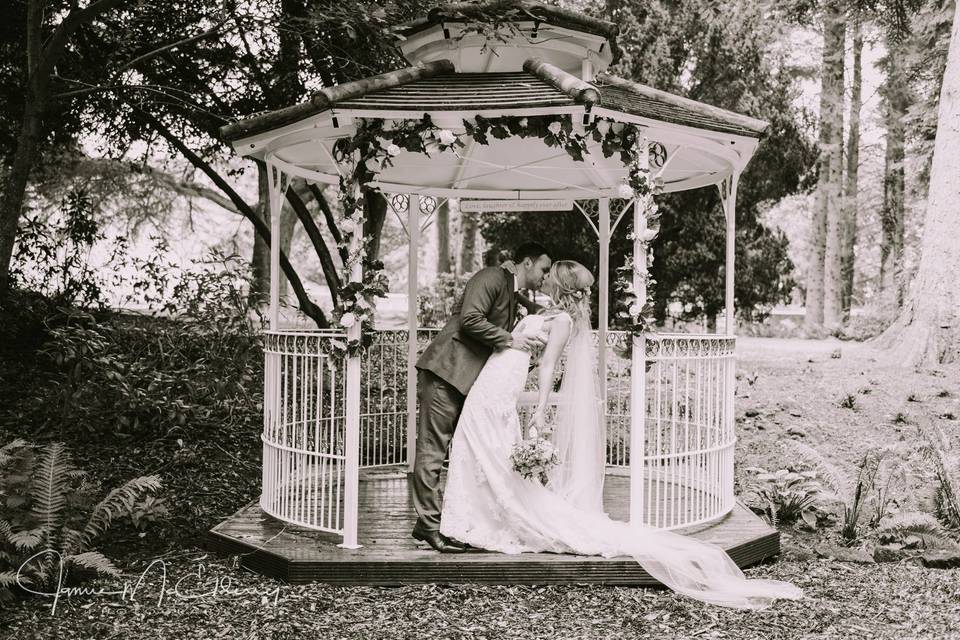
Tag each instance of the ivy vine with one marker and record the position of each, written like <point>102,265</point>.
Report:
<point>377,142</point>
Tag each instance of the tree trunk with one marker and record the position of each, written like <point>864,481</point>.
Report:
<point>469,227</point>
<point>927,332</point>
<point>825,214</point>
<point>891,216</point>
<point>288,227</point>
<point>444,264</point>
<point>374,216</point>
<point>43,52</point>
<point>849,228</point>
<point>832,183</point>
<point>260,261</point>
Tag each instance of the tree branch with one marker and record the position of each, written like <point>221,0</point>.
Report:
<point>331,223</point>
<point>152,54</point>
<point>306,305</point>
<point>326,260</point>
<point>75,19</point>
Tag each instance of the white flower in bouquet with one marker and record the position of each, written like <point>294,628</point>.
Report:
<point>393,150</point>
<point>347,320</point>
<point>555,128</point>
<point>534,457</point>
<point>445,136</point>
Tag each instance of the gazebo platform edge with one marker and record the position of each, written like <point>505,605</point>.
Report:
<point>389,557</point>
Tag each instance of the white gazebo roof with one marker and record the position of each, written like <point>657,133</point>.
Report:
<point>459,76</point>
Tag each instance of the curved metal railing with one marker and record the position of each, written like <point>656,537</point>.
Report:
<point>688,436</point>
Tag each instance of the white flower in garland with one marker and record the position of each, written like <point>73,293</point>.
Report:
<point>625,191</point>
<point>635,310</point>
<point>393,150</point>
<point>603,126</point>
<point>348,226</point>
<point>445,136</point>
<point>649,234</point>
<point>348,319</point>
<point>555,128</point>
<point>523,122</point>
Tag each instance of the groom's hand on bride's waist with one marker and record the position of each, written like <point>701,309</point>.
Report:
<point>527,343</point>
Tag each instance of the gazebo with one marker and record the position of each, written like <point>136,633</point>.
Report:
<point>527,120</point>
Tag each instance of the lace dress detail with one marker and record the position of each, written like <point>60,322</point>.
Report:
<point>488,505</point>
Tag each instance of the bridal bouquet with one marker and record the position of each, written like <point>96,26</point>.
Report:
<point>533,457</point>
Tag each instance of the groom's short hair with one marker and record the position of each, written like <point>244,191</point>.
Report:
<point>532,250</point>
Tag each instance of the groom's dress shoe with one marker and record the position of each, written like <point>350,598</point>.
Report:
<point>437,540</point>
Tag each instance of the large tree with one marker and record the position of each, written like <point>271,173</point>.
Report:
<point>46,42</point>
<point>927,331</point>
<point>171,74</point>
<point>823,286</point>
<point>848,231</point>
<point>701,51</point>
<point>895,92</point>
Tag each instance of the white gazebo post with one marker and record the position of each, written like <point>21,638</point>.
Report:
<point>603,205</point>
<point>638,403</point>
<point>413,231</point>
<point>728,196</point>
<point>276,190</point>
<point>351,444</point>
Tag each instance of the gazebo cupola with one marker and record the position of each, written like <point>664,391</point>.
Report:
<point>578,45</point>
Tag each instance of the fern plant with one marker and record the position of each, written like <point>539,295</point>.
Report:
<point>914,528</point>
<point>51,520</point>
<point>854,493</point>
<point>945,465</point>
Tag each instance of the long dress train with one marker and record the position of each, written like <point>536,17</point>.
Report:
<point>488,505</point>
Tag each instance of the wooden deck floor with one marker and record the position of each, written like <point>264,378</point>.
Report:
<point>389,555</point>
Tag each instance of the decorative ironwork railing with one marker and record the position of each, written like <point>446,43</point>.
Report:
<point>687,461</point>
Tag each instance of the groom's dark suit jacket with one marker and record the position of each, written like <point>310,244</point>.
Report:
<point>481,323</point>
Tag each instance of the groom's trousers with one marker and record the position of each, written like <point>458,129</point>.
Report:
<point>440,406</point>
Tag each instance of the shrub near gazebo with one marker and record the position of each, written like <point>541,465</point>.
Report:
<point>523,121</point>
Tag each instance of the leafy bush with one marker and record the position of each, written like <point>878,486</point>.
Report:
<point>945,466</point>
<point>138,376</point>
<point>50,520</point>
<point>869,489</point>
<point>872,322</point>
<point>784,496</point>
<point>435,305</point>
<point>913,529</point>
<point>52,254</point>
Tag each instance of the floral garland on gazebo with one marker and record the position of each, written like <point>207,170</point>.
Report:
<point>375,144</point>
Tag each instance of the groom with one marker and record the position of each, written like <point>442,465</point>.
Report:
<point>481,323</point>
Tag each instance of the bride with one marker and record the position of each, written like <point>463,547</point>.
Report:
<point>490,506</point>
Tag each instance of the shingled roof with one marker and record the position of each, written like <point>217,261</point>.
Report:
<point>436,87</point>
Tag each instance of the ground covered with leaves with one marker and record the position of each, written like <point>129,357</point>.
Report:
<point>786,390</point>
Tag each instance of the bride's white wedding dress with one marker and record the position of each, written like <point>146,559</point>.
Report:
<point>488,505</point>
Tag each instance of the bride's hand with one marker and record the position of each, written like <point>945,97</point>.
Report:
<point>537,422</point>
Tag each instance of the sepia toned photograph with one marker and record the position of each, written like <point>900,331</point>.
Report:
<point>493,319</point>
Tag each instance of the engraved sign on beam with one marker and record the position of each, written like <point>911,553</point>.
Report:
<point>515,205</point>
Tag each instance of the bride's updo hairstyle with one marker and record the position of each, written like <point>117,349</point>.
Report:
<point>572,281</point>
